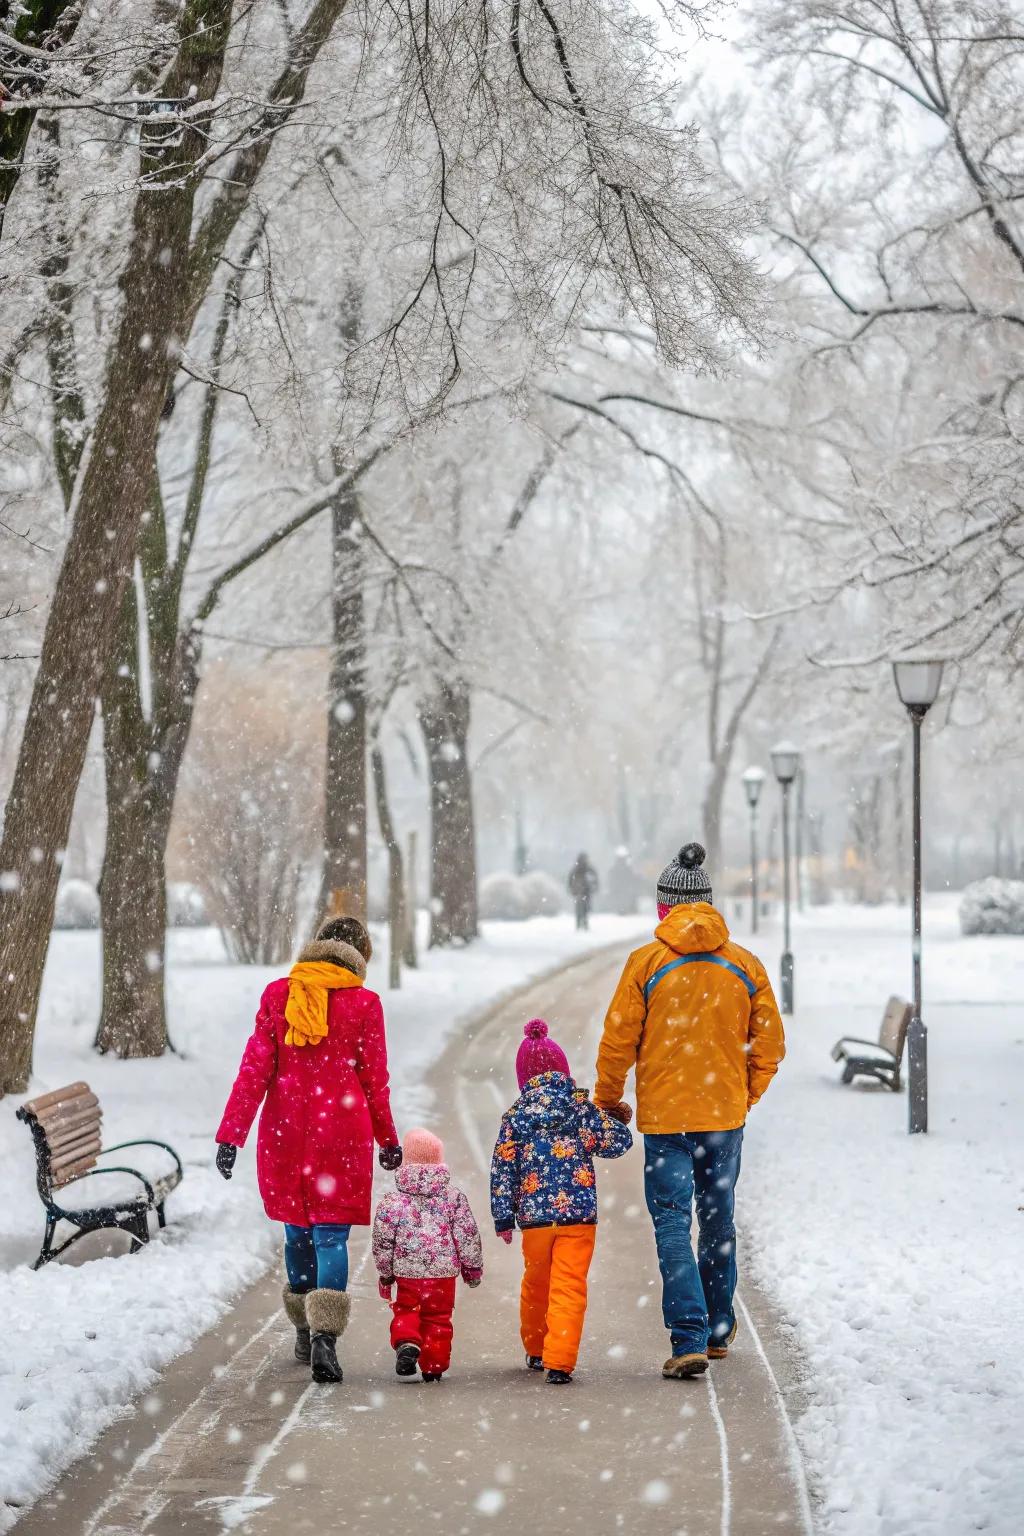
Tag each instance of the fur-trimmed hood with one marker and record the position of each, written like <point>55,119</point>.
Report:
<point>335,952</point>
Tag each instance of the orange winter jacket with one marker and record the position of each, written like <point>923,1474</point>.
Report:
<point>696,1015</point>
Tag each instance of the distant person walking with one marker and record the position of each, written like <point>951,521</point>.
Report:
<point>696,1015</point>
<point>583,886</point>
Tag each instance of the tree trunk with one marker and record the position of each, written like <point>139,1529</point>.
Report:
<point>343,882</point>
<point>109,501</point>
<point>444,721</point>
<point>409,955</point>
<point>397,925</point>
<point>133,898</point>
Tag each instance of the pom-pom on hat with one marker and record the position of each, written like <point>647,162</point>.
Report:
<point>538,1053</point>
<point>684,880</point>
<point>420,1146</point>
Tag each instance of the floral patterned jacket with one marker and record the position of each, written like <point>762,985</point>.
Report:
<point>424,1229</point>
<point>542,1172</point>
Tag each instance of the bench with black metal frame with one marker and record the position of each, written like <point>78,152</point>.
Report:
<point>881,1058</point>
<point>65,1126</point>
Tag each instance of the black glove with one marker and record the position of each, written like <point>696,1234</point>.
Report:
<point>226,1155</point>
<point>390,1158</point>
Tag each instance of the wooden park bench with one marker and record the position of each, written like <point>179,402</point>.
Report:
<point>65,1126</point>
<point>881,1058</point>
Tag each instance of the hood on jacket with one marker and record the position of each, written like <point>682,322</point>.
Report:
<point>693,929</point>
<point>546,1106</point>
<point>334,952</point>
<point>425,1179</point>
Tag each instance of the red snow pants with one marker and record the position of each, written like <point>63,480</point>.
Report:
<point>422,1314</point>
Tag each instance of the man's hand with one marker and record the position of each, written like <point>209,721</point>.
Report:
<point>390,1158</point>
<point>226,1155</point>
<point>621,1111</point>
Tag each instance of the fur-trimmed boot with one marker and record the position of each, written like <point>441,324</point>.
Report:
<point>295,1309</point>
<point>327,1314</point>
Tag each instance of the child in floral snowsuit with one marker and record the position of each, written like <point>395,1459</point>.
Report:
<point>542,1176</point>
<point>424,1236</point>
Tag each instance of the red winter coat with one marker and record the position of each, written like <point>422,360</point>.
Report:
<point>325,1106</point>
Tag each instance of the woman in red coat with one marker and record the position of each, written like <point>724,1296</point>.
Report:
<point>317,1062</point>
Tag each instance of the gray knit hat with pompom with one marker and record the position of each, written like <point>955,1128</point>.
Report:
<point>684,880</point>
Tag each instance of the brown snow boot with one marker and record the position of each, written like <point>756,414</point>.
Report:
<point>295,1309</point>
<point>327,1313</point>
<point>682,1367</point>
<point>719,1348</point>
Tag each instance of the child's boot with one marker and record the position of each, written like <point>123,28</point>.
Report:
<point>406,1356</point>
<point>295,1309</point>
<point>327,1313</point>
<point>432,1375</point>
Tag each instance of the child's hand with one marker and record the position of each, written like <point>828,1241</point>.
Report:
<point>506,1237</point>
<point>384,1289</point>
<point>472,1277</point>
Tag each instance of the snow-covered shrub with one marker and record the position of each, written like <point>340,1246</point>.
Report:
<point>78,905</point>
<point>541,894</point>
<point>502,899</point>
<point>993,906</point>
<point>185,906</point>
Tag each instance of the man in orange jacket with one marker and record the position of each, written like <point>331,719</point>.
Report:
<point>696,1016</point>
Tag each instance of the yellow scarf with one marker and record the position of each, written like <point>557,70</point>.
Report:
<point>309,984</point>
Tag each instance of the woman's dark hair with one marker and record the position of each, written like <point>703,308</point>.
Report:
<point>349,930</point>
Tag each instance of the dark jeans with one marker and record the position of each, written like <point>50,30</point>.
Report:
<point>317,1257</point>
<point>583,912</point>
<point>696,1295</point>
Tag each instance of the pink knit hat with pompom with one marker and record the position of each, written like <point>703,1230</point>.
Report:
<point>420,1146</point>
<point>538,1054</point>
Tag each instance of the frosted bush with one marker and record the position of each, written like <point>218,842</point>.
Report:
<point>541,894</point>
<point>78,906</point>
<point>185,906</point>
<point>993,906</point>
<point>502,899</point>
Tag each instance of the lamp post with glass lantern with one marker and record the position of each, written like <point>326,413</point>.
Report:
<point>917,683</point>
<point>753,779</point>
<point>786,764</point>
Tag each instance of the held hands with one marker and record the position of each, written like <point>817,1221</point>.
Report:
<point>621,1112</point>
<point>390,1158</point>
<point>226,1155</point>
<point>384,1289</point>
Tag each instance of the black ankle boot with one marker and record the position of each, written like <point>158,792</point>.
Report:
<point>323,1357</point>
<point>534,1363</point>
<point>302,1346</point>
<point>406,1356</point>
<point>559,1378</point>
<point>431,1375</point>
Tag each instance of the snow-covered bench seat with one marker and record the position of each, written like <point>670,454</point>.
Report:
<point>66,1130</point>
<point>879,1058</point>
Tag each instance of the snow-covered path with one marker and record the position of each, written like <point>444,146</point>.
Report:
<point>255,1448</point>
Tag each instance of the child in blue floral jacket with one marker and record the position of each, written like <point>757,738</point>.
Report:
<point>542,1177</point>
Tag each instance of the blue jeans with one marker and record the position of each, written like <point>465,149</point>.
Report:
<point>696,1296</point>
<point>317,1257</point>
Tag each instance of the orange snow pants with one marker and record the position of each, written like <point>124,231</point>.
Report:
<point>553,1301</point>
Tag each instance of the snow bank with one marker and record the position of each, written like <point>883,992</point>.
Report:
<point>993,906</point>
<point>81,1338</point>
<point>898,1259</point>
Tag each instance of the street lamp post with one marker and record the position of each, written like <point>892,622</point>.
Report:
<point>786,763</point>
<point>752,781</point>
<point>917,683</point>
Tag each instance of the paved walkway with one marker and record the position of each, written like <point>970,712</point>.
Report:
<point>237,1439</point>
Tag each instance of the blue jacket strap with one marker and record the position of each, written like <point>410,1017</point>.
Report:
<point>708,959</point>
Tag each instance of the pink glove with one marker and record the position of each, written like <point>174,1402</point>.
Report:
<point>384,1289</point>
<point>506,1237</point>
<point>472,1277</point>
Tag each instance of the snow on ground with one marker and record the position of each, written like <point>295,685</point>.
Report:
<point>81,1339</point>
<point>899,1259</point>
